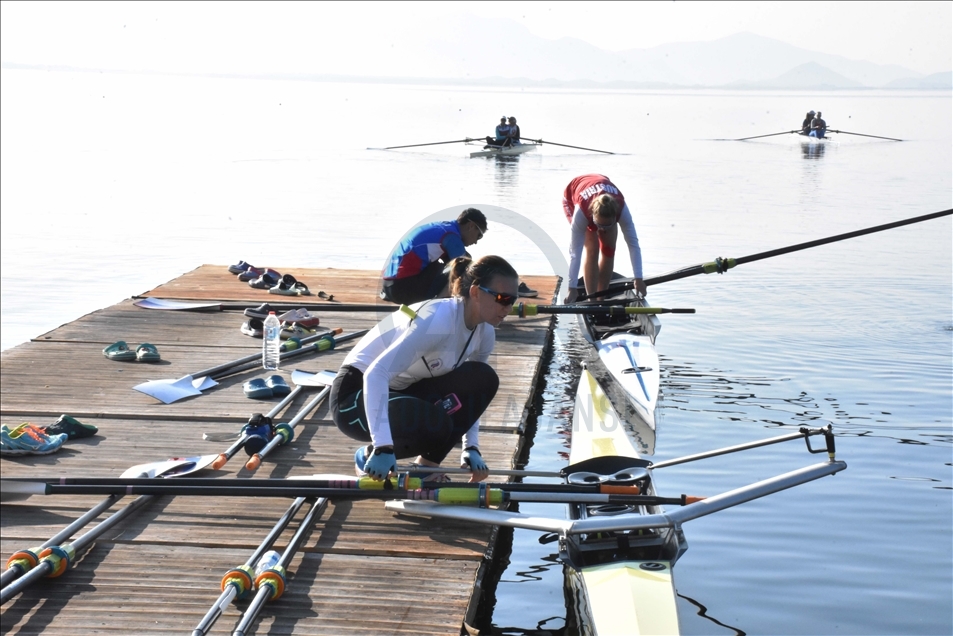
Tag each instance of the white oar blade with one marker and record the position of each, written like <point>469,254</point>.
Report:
<point>172,305</point>
<point>306,378</point>
<point>169,391</point>
<point>19,490</point>
<point>176,466</point>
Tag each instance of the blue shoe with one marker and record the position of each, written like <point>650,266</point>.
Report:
<point>360,459</point>
<point>239,267</point>
<point>257,389</point>
<point>26,439</point>
<point>278,386</point>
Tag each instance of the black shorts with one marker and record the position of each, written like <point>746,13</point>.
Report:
<point>414,289</point>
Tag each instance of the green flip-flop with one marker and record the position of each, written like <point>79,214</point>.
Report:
<point>147,353</point>
<point>119,351</point>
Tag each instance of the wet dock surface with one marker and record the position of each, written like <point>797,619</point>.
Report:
<point>362,570</point>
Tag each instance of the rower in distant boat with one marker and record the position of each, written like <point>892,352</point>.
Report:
<point>502,137</point>
<point>596,210</point>
<point>514,133</point>
<point>818,126</point>
<point>806,125</point>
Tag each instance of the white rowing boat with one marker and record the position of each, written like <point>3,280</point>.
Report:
<point>619,557</point>
<point>626,350</point>
<point>505,151</point>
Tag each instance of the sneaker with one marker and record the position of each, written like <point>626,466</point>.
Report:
<point>296,331</point>
<point>430,478</point>
<point>253,327</point>
<point>71,427</point>
<point>26,439</point>
<point>360,459</point>
<point>300,317</point>
<point>526,292</point>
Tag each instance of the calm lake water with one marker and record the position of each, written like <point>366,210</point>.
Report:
<point>112,184</point>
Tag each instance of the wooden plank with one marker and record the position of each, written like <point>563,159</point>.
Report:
<point>215,282</point>
<point>158,571</point>
<point>126,589</point>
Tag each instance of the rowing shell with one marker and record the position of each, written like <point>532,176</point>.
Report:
<point>626,350</point>
<point>505,151</point>
<point>622,580</point>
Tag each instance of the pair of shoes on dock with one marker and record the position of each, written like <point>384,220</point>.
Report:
<point>260,389</point>
<point>267,278</point>
<point>27,439</point>
<point>121,352</point>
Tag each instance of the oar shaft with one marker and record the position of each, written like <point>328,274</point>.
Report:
<point>45,567</point>
<point>786,132</point>
<point>523,311</point>
<point>553,143</point>
<point>434,143</point>
<point>324,342</point>
<point>271,582</point>
<point>230,591</point>
<point>721,265</point>
<point>844,132</point>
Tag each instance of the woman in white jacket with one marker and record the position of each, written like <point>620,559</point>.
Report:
<point>419,381</point>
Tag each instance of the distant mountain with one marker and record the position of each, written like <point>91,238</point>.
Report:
<point>936,81</point>
<point>750,58</point>
<point>809,76</point>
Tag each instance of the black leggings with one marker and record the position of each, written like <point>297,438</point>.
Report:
<point>419,425</point>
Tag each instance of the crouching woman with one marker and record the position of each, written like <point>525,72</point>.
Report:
<point>419,381</point>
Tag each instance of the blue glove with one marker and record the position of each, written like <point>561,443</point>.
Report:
<point>472,459</point>
<point>381,463</point>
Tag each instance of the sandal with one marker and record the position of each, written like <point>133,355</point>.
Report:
<point>257,389</point>
<point>147,353</point>
<point>119,351</point>
<point>268,279</point>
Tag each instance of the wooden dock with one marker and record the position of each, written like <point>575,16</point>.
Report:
<point>362,570</point>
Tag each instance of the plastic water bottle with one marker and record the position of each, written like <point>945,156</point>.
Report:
<point>267,561</point>
<point>271,344</point>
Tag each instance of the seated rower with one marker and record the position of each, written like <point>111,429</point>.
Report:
<point>818,127</point>
<point>806,124</point>
<point>502,137</point>
<point>514,133</point>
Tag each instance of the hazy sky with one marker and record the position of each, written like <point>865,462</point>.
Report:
<point>283,37</point>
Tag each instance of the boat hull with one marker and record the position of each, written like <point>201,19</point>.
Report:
<point>508,151</point>
<point>617,595</point>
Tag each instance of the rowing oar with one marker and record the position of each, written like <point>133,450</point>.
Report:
<point>844,132</point>
<point>238,582</point>
<point>23,561</point>
<point>786,132</point>
<point>721,265</point>
<point>55,559</point>
<point>252,434</point>
<point>176,305</point>
<point>168,391</point>
<point>553,143</point>
<point>523,311</point>
<point>284,432</point>
<point>271,582</point>
<point>433,143</point>
<point>462,494</point>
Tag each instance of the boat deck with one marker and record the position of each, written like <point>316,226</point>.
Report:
<point>362,570</point>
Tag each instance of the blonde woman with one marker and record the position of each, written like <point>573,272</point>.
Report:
<point>596,211</point>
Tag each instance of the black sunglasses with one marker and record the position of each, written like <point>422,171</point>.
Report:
<point>501,299</point>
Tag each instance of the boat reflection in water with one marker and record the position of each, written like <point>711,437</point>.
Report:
<point>813,149</point>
